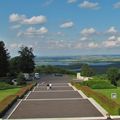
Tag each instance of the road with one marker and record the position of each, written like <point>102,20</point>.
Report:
<point>61,102</point>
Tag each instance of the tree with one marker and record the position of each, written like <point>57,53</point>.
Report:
<point>27,64</point>
<point>15,65</point>
<point>113,75</point>
<point>87,71</point>
<point>4,60</point>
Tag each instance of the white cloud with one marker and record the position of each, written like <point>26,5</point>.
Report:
<point>88,31</point>
<point>89,5</point>
<point>68,24</point>
<point>58,44</point>
<point>35,20</point>
<point>92,45</point>
<point>31,31</point>
<point>16,17</point>
<point>117,5</point>
<point>112,42</point>
<point>112,30</point>
<point>47,3</point>
<point>15,45</point>
<point>112,38</point>
<point>24,20</point>
<point>109,43</point>
<point>72,1</point>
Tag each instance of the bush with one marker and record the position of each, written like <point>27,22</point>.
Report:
<point>111,106</point>
<point>4,86</point>
<point>98,84</point>
<point>24,90</point>
<point>6,103</point>
<point>21,79</point>
<point>118,83</point>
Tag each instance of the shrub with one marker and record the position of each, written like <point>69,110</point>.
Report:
<point>98,84</point>
<point>6,103</point>
<point>4,85</point>
<point>24,90</point>
<point>21,79</point>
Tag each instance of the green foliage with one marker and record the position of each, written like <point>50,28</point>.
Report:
<point>113,75</point>
<point>52,69</point>
<point>15,66</point>
<point>21,79</point>
<point>118,83</point>
<point>4,60</point>
<point>4,86</point>
<point>98,84</point>
<point>87,71</point>
<point>26,63</point>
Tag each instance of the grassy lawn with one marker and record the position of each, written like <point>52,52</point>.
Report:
<point>5,93</point>
<point>107,92</point>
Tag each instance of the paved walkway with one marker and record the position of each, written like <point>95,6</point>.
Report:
<point>62,102</point>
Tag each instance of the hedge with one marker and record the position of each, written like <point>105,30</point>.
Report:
<point>6,103</point>
<point>111,106</point>
<point>24,90</point>
<point>98,84</point>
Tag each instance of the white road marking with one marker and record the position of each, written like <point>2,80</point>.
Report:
<point>14,109</point>
<point>71,118</point>
<point>53,99</point>
<point>92,101</point>
<point>52,86</point>
<point>99,108</point>
<point>55,91</point>
<point>27,95</point>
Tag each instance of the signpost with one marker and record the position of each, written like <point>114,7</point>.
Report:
<point>114,95</point>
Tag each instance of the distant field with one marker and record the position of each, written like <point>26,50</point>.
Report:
<point>5,93</point>
<point>108,92</point>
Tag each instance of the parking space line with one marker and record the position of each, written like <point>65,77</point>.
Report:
<point>54,91</point>
<point>52,86</point>
<point>14,109</point>
<point>55,99</point>
<point>27,95</point>
<point>72,87</point>
<point>71,118</point>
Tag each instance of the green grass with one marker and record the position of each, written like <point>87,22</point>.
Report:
<point>111,106</point>
<point>7,92</point>
<point>107,92</point>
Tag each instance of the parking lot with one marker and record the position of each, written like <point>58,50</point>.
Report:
<point>62,101</point>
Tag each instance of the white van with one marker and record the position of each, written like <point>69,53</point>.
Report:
<point>37,75</point>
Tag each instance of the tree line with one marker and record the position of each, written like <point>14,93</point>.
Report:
<point>113,73</point>
<point>24,62</point>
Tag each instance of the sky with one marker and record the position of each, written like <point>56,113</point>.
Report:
<point>61,27</point>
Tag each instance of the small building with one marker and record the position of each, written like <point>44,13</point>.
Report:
<point>82,78</point>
